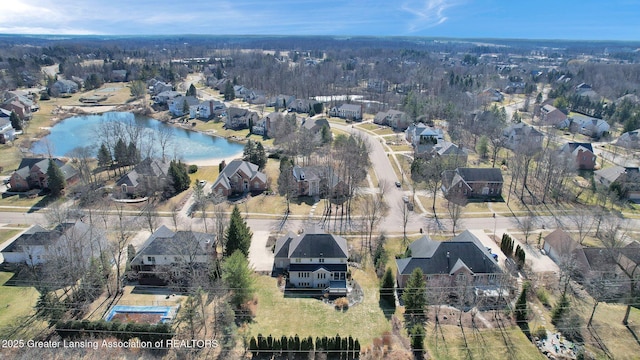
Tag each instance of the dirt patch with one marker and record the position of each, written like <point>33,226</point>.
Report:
<point>140,318</point>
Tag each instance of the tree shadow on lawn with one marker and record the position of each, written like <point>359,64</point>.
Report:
<point>42,203</point>
<point>387,309</point>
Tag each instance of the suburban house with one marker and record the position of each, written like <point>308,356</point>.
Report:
<point>24,97</point>
<point>32,174</point>
<point>64,86</point>
<point>315,126</point>
<point>626,180</point>
<point>593,263</point>
<point>156,87</point>
<point>281,101</point>
<point>630,139</point>
<point>491,95</point>
<point>37,245</point>
<point>550,115</point>
<point>472,183</point>
<point>239,177</point>
<point>314,260</point>
<point>7,132</point>
<point>348,111</point>
<point>176,105</point>
<point>304,106</point>
<point>207,109</point>
<point>420,133</point>
<point>581,154</point>
<point>238,118</point>
<point>455,155</point>
<point>522,136</point>
<point>458,268</point>
<point>22,110</point>
<point>266,125</point>
<point>164,97</point>
<point>317,181</point>
<point>589,126</point>
<point>396,119</point>
<point>165,251</point>
<point>146,178</point>
<point>584,89</point>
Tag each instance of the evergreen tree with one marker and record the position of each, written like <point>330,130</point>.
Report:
<point>521,305</point>
<point>417,339</point>
<point>415,297</point>
<point>238,277</point>
<point>179,176</point>
<point>16,123</point>
<point>229,93</point>
<point>120,153</point>
<point>55,179</point>
<point>185,107</point>
<point>249,151</point>
<point>386,288</point>
<point>133,155</point>
<point>260,156</point>
<point>104,156</point>
<point>238,235</point>
<point>326,135</point>
<point>218,72</point>
<point>192,91</point>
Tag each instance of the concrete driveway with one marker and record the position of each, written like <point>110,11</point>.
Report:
<point>260,257</point>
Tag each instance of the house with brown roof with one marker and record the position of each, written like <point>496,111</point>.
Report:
<point>472,183</point>
<point>550,115</point>
<point>32,174</point>
<point>239,177</point>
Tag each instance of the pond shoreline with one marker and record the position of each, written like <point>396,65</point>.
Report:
<point>61,113</point>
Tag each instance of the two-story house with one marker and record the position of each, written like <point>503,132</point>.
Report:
<point>7,132</point>
<point>589,126</point>
<point>396,119</point>
<point>472,183</point>
<point>317,181</point>
<point>239,177</point>
<point>461,266</point>
<point>177,105</point>
<point>348,111</point>
<point>313,260</point>
<point>32,174</point>
<point>166,251</point>
<point>207,110</point>
<point>38,245</point>
<point>147,177</point>
<point>550,115</point>
<point>630,139</point>
<point>581,154</point>
<point>64,86</point>
<point>521,135</point>
<point>624,180</point>
<point>238,118</point>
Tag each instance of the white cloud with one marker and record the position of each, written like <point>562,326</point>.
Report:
<point>427,13</point>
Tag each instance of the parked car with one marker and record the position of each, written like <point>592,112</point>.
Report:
<point>398,184</point>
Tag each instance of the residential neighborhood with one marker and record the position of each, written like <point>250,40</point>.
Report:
<point>320,198</point>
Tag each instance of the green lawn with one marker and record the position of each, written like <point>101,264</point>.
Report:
<point>6,234</point>
<point>278,316</point>
<point>16,305</point>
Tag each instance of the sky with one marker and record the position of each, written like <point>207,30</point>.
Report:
<point>539,19</point>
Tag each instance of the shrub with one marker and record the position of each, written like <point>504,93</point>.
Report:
<point>543,296</point>
<point>341,303</point>
<point>541,333</point>
<point>193,169</point>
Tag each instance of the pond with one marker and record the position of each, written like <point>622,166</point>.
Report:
<point>88,130</point>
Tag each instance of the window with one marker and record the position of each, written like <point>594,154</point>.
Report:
<point>151,259</point>
<point>321,260</point>
<point>298,260</point>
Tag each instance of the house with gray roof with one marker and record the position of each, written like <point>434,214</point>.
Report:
<point>348,111</point>
<point>459,266</point>
<point>521,135</point>
<point>165,251</point>
<point>396,119</point>
<point>32,174</point>
<point>37,245</point>
<point>624,180</point>
<point>630,139</point>
<point>177,105</point>
<point>7,132</point>
<point>313,260</point>
<point>146,178</point>
<point>581,154</point>
<point>239,177</point>
<point>589,126</point>
<point>472,183</point>
<point>550,115</point>
<point>317,181</point>
<point>238,118</point>
<point>64,86</point>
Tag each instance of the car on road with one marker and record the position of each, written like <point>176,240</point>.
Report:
<point>202,182</point>
<point>405,199</point>
<point>398,184</point>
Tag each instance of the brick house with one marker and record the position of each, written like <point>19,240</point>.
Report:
<point>32,174</point>
<point>581,154</point>
<point>239,177</point>
<point>472,183</point>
